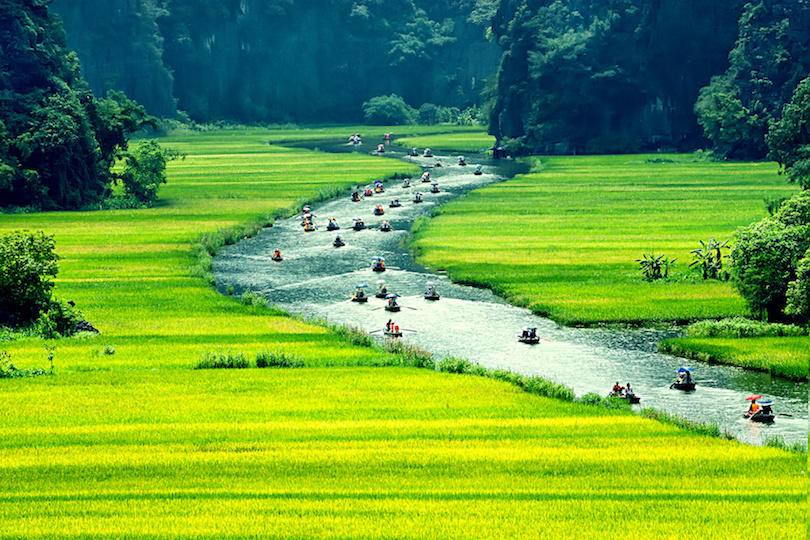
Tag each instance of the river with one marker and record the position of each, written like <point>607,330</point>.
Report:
<point>315,279</point>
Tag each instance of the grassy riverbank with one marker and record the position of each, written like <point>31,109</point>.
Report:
<point>126,440</point>
<point>471,139</point>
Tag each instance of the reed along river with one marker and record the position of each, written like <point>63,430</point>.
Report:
<point>316,279</point>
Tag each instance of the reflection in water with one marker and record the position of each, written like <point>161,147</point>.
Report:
<point>316,279</point>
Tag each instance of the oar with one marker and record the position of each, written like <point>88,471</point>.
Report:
<point>704,381</point>
<point>784,414</point>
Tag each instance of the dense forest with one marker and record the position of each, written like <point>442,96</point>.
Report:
<point>282,60</point>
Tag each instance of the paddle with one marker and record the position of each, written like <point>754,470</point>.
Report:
<point>704,381</point>
<point>784,414</point>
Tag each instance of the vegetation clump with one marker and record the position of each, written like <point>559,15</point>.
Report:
<point>222,360</point>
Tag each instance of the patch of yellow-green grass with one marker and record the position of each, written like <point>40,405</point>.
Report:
<point>129,270</point>
<point>564,240</point>
<point>783,356</point>
<point>469,139</point>
<point>366,453</point>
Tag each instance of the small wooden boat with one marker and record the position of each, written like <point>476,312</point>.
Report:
<point>393,333</point>
<point>528,339</point>
<point>685,386</point>
<point>276,257</point>
<point>406,183</point>
<point>632,399</point>
<point>356,298</point>
<point>417,197</point>
<point>332,225</point>
<point>338,242</point>
<point>392,307</point>
<point>427,153</point>
<point>378,264</point>
<point>765,418</point>
<point>431,293</point>
<point>378,210</point>
<point>385,227</point>
<point>395,203</point>
<point>359,225</point>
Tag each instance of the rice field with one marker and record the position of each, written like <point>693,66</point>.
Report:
<point>125,439</point>
<point>366,453</point>
<point>564,240</point>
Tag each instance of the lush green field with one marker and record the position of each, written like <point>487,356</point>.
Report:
<point>564,240</point>
<point>125,440</point>
<point>784,356</point>
<point>366,453</point>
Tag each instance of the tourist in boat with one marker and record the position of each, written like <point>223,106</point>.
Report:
<point>426,176</point>
<point>355,196</point>
<point>616,390</point>
<point>406,183</point>
<point>754,408</point>
<point>380,148</point>
<point>462,161</point>
<point>277,255</point>
<point>629,391</point>
<point>478,170</point>
<point>389,325</point>
<point>427,153</point>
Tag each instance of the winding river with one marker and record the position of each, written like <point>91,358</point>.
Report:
<point>316,279</point>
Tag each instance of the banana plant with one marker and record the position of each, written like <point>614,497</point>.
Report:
<point>655,266</point>
<point>709,258</point>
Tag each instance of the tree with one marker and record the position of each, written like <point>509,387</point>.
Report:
<point>27,264</point>
<point>789,137</point>
<point>145,170</point>
<point>388,110</point>
<point>798,293</point>
<point>766,256</point>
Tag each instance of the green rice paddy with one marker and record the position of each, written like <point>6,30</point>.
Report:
<point>564,240</point>
<point>126,440</point>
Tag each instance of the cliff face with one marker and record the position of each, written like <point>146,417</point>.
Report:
<point>279,60</point>
<point>120,49</point>
<point>595,76</point>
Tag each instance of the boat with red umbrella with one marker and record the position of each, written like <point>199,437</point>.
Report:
<point>760,409</point>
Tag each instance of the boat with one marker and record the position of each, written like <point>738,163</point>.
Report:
<point>358,224</point>
<point>431,293</point>
<point>434,187</point>
<point>338,242</point>
<point>378,264</point>
<point>427,153</point>
<point>379,210</point>
<point>332,225</point>
<point>425,177</point>
<point>406,183</point>
<point>382,292</point>
<point>309,226</point>
<point>417,197</point>
<point>632,398</point>
<point>369,191</point>
<point>529,335</point>
<point>380,148</point>
<point>392,303</point>
<point>393,333</point>
<point>276,256</point>
<point>359,294</point>
<point>462,161</point>
<point>378,187</point>
<point>355,197</point>
<point>478,171</point>
<point>394,203</point>
<point>764,413</point>
<point>684,381</point>
<point>385,226</point>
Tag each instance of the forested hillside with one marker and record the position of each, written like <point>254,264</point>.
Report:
<point>282,60</point>
<point>574,75</point>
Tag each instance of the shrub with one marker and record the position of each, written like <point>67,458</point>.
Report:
<point>655,266</point>
<point>739,327</point>
<point>455,365</point>
<point>277,358</point>
<point>27,264</point>
<point>222,360</point>
<point>9,371</point>
<point>388,111</point>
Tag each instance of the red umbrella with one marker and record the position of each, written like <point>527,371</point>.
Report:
<point>752,398</point>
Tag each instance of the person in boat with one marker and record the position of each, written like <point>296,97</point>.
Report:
<point>426,176</point>
<point>754,408</point>
<point>417,197</point>
<point>532,333</point>
<point>629,391</point>
<point>383,290</point>
<point>389,325</point>
<point>616,390</point>
<point>338,242</point>
<point>461,160</point>
<point>406,183</point>
<point>438,163</point>
<point>392,302</point>
<point>381,148</point>
<point>478,169</point>
<point>355,196</point>
<point>427,153</point>
<point>277,255</point>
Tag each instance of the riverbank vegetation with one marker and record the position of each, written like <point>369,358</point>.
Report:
<point>127,439</point>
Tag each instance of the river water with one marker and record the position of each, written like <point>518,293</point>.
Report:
<point>316,279</point>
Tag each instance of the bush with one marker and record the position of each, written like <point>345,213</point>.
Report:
<point>609,402</point>
<point>455,365</point>
<point>739,327</point>
<point>388,111</point>
<point>222,360</point>
<point>27,264</point>
<point>8,371</point>
<point>278,358</point>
